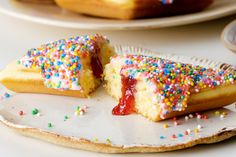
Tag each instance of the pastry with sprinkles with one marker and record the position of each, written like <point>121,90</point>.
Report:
<point>159,89</point>
<point>70,67</point>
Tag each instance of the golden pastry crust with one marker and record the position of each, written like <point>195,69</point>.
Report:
<point>207,100</point>
<point>132,9</point>
<point>23,80</point>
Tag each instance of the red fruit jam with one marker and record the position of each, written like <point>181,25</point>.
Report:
<point>126,102</point>
<point>96,64</point>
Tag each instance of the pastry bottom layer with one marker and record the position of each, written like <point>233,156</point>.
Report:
<point>17,78</point>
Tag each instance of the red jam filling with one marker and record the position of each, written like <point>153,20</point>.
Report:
<point>126,102</point>
<point>96,64</point>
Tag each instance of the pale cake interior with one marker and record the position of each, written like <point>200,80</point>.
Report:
<point>146,101</point>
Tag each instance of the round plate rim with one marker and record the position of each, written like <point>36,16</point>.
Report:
<point>218,12</point>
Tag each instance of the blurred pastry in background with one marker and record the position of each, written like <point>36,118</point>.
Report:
<point>133,9</point>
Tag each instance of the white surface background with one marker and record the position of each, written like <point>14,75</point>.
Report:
<point>202,40</point>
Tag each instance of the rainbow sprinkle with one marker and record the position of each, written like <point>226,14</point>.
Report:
<point>60,61</point>
<point>66,117</point>
<point>21,113</point>
<point>165,126</point>
<point>50,125</point>
<point>167,1</point>
<point>80,110</point>
<point>7,95</point>
<point>173,81</point>
<point>108,141</point>
<point>35,111</point>
<point>95,139</point>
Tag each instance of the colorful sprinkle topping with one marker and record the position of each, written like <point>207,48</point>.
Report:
<point>186,132</point>
<point>7,95</point>
<point>221,114</point>
<point>167,1</point>
<point>165,126</point>
<point>80,110</point>
<point>60,61</point>
<point>199,126</point>
<point>66,117</point>
<point>217,113</point>
<point>176,123</point>
<point>173,81</point>
<point>108,141</point>
<point>196,130</point>
<point>186,118</point>
<point>189,131</point>
<point>21,113</point>
<point>95,139</point>
<point>174,136</point>
<point>49,125</point>
<point>35,111</point>
<point>190,116</point>
<point>198,116</point>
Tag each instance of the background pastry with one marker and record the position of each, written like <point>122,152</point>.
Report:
<point>39,1</point>
<point>132,9</point>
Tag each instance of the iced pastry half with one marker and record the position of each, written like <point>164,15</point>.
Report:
<point>71,67</point>
<point>159,89</point>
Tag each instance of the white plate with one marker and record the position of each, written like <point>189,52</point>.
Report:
<point>53,15</point>
<point>132,133</point>
<point>228,36</point>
